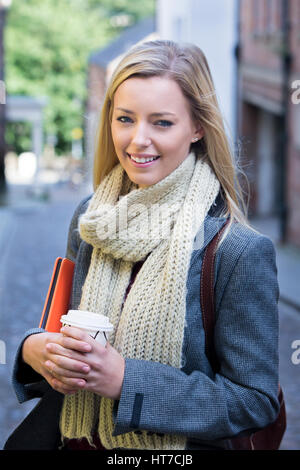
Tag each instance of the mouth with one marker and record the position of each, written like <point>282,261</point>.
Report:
<point>142,161</point>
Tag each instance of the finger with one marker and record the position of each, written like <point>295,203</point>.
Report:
<point>68,381</point>
<point>61,387</point>
<point>56,348</point>
<point>62,366</point>
<point>52,382</point>
<point>75,333</point>
<point>75,344</point>
<point>69,384</point>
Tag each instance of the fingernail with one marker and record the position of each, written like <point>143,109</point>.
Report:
<point>85,368</point>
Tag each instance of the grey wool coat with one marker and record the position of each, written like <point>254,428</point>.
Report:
<point>207,407</point>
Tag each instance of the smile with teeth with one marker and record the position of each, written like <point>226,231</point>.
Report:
<point>142,160</point>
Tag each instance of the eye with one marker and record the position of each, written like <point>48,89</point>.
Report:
<point>124,119</point>
<point>164,123</point>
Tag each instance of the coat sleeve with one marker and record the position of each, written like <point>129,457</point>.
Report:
<point>243,395</point>
<point>27,383</point>
<point>73,234</point>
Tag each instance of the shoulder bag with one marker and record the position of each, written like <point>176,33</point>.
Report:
<point>270,437</point>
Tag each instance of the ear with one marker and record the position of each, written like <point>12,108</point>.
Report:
<point>198,134</point>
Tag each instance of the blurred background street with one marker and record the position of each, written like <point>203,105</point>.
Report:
<point>51,92</point>
<point>32,235</point>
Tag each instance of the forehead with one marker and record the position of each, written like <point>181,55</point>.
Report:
<point>149,93</point>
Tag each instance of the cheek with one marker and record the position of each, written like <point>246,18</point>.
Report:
<point>114,135</point>
<point>175,142</point>
<point>120,137</point>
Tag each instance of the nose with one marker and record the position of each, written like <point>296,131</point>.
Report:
<point>141,135</point>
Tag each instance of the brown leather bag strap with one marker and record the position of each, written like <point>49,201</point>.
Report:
<point>207,297</point>
<point>270,437</point>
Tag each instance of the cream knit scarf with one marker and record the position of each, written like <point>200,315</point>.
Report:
<point>160,221</point>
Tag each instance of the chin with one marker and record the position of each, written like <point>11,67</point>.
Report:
<point>141,182</point>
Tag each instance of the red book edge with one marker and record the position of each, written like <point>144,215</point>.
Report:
<point>58,295</point>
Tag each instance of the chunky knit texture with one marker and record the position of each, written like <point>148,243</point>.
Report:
<point>160,224</point>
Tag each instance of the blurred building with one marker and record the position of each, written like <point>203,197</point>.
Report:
<point>29,109</point>
<point>100,67</point>
<point>211,25</point>
<point>269,111</point>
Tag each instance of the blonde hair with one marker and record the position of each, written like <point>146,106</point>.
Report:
<point>188,67</point>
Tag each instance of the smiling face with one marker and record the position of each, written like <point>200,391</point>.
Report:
<point>152,129</point>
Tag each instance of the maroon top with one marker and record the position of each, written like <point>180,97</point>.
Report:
<point>83,444</point>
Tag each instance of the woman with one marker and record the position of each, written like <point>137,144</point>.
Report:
<point>165,183</point>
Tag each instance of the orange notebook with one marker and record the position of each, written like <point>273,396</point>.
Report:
<point>58,296</point>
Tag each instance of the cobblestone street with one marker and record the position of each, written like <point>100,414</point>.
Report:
<point>31,237</point>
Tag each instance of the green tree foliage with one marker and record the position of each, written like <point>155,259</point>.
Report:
<point>47,45</point>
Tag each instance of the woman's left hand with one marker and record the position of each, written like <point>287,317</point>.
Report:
<point>105,365</point>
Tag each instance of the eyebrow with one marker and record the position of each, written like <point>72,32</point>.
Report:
<point>163,113</point>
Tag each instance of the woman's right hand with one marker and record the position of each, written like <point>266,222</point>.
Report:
<point>36,352</point>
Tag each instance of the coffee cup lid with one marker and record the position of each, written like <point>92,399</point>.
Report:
<point>87,320</point>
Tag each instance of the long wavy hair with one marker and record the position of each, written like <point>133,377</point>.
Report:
<point>187,66</point>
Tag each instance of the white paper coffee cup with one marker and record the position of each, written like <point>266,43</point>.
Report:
<point>95,324</point>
